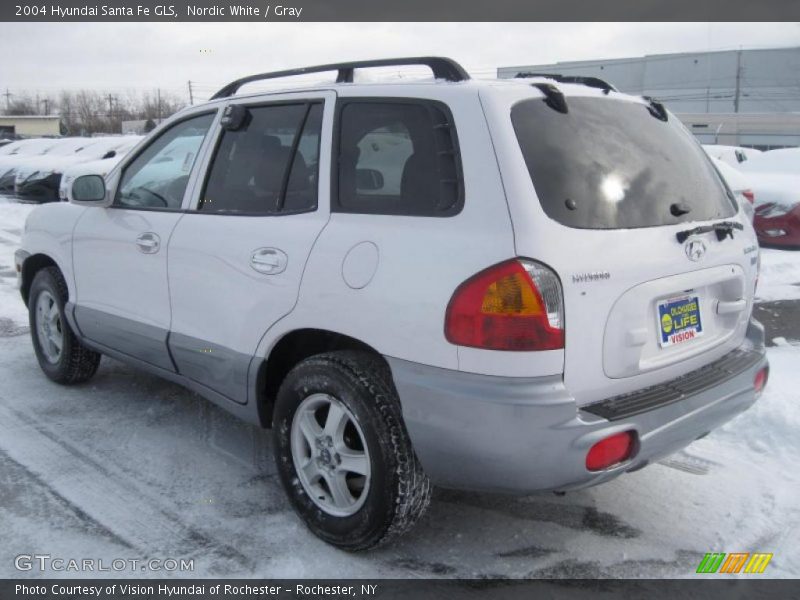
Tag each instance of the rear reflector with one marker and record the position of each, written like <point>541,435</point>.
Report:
<point>760,380</point>
<point>611,451</point>
<point>515,305</point>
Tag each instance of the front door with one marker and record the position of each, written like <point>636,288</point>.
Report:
<point>120,252</point>
<point>236,259</point>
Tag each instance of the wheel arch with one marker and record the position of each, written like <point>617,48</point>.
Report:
<point>32,265</point>
<point>293,347</point>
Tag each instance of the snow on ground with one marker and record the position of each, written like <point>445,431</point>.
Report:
<point>12,219</point>
<point>131,466</point>
<point>780,275</point>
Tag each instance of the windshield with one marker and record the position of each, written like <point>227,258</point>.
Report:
<point>610,164</point>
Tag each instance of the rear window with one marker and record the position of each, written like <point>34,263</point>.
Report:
<point>610,164</point>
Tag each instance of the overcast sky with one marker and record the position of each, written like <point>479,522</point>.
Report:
<point>46,57</point>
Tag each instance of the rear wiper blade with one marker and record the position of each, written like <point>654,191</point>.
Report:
<point>723,229</point>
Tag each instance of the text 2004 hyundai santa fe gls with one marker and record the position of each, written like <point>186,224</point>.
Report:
<point>517,286</point>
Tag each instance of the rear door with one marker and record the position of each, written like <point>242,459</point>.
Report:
<point>609,186</point>
<point>237,257</point>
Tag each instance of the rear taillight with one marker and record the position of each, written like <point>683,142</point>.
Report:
<point>610,451</point>
<point>516,305</point>
<point>751,197</point>
<point>760,380</point>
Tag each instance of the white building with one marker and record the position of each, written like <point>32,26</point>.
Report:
<point>741,97</point>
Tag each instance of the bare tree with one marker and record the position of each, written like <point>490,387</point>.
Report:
<point>88,112</point>
<point>22,104</point>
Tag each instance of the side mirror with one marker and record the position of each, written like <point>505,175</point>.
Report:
<point>88,189</point>
<point>368,180</point>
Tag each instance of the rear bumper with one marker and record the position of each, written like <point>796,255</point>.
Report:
<point>525,435</point>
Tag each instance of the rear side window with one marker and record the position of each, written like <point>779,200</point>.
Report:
<point>269,165</point>
<point>398,158</point>
<point>610,164</point>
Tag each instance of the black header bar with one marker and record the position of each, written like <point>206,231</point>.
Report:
<point>398,10</point>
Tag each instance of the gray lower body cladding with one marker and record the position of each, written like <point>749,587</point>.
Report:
<point>524,435</point>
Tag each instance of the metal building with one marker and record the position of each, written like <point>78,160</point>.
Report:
<point>29,125</point>
<point>737,97</point>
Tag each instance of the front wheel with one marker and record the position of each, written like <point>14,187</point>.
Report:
<point>60,354</point>
<point>343,454</point>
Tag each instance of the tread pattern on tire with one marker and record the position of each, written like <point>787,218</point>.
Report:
<point>82,362</point>
<point>414,488</point>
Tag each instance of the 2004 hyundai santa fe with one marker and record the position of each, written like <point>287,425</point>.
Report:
<point>520,286</point>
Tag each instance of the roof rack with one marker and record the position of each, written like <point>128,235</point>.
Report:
<point>586,80</point>
<point>443,68</point>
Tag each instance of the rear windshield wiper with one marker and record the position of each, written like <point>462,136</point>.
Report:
<point>723,229</point>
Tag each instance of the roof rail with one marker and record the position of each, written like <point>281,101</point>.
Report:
<point>586,80</point>
<point>443,68</point>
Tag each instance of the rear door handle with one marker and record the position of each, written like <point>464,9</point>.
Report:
<point>269,261</point>
<point>149,242</point>
<point>726,308</point>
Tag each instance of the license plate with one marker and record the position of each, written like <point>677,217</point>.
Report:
<point>679,320</point>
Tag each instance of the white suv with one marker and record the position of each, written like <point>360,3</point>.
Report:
<point>522,286</point>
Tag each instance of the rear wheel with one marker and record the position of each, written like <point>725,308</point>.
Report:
<point>343,454</point>
<point>60,354</point>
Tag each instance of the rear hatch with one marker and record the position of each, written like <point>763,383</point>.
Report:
<point>616,183</point>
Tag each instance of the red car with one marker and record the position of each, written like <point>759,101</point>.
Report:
<point>774,176</point>
<point>778,224</point>
<point>777,209</point>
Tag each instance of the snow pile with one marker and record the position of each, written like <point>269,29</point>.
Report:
<point>784,160</point>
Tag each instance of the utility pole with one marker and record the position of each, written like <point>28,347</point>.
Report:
<point>110,99</point>
<point>46,103</point>
<point>191,96</point>
<point>158,103</point>
<point>8,99</point>
<point>738,81</point>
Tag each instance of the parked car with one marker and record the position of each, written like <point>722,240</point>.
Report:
<point>97,167</point>
<point>732,155</point>
<point>38,179</point>
<point>556,290</point>
<point>16,153</point>
<point>738,184</point>
<point>777,209</point>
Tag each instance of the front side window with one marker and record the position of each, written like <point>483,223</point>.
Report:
<point>157,178</point>
<point>398,158</point>
<point>269,164</point>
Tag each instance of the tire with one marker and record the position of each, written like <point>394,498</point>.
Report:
<point>72,363</point>
<point>393,495</point>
